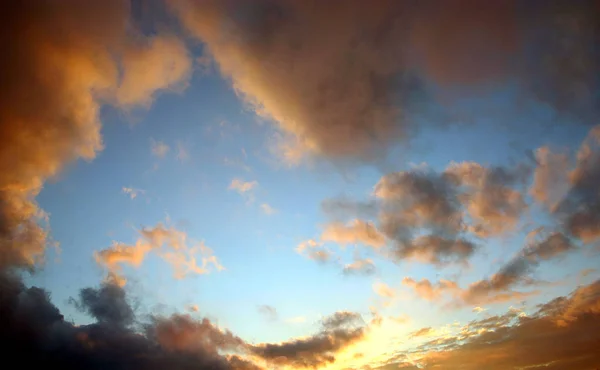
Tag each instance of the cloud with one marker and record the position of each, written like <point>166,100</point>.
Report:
<point>479,309</point>
<point>193,308</point>
<point>159,149</point>
<point>383,290</point>
<point>267,209</point>
<point>543,339</point>
<point>489,197</point>
<point>360,267</point>
<point>108,305</point>
<point>436,250</point>
<point>578,210</point>
<point>268,311</point>
<point>62,62</point>
<point>285,73</point>
<point>421,332</point>
<point>183,154</point>
<point>183,333</point>
<point>35,334</point>
<point>132,192</point>
<point>355,232</point>
<point>341,319</point>
<point>428,291</point>
<point>314,250</point>
<point>169,243</point>
<point>146,69</point>
<point>338,332</point>
<point>243,187</point>
<point>344,207</point>
<point>499,287</point>
<point>550,180</point>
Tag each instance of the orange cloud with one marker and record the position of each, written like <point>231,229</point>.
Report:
<point>383,290</point>
<point>355,232</point>
<point>170,244</point>
<point>62,61</point>
<point>561,335</point>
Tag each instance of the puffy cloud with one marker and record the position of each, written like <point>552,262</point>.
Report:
<point>355,232</point>
<point>35,334</point>
<point>489,197</point>
<point>544,339</point>
<point>170,244</point>
<point>436,250</point>
<point>338,332</point>
<point>341,319</point>
<point>268,311</point>
<point>285,59</point>
<point>428,291</point>
<point>418,199</point>
<point>146,70</point>
<point>108,305</point>
<point>183,333</point>
<point>61,62</point>
<point>360,114</point>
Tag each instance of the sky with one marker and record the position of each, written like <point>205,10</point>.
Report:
<point>300,184</point>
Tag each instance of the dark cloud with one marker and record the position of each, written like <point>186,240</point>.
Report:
<point>108,305</point>
<point>34,334</point>
<point>338,331</point>
<point>334,77</point>
<point>342,319</point>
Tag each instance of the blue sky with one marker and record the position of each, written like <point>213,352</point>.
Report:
<point>224,140</point>
<point>207,160</point>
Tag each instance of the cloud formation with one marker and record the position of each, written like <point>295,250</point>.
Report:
<point>314,250</point>
<point>500,286</point>
<point>561,335</point>
<point>286,58</point>
<point>355,232</point>
<point>35,334</point>
<point>60,63</point>
<point>170,244</point>
<point>339,331</point>
<point>159,149</point>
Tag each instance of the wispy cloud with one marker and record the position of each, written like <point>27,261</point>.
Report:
<point>267,209</point>
<point>183,153</point>
<point>133,192</point>
<point>158,148</point>
<point>170,244</point>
